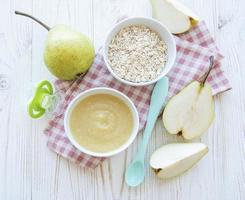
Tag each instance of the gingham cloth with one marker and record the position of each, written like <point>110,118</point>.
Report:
<point>192,62</point>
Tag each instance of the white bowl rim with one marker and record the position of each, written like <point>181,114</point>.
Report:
<point>102,90</point>
<point>140,83</point>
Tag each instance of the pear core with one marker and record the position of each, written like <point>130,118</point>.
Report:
<point>67,53</point>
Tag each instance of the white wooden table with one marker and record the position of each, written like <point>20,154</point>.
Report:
<point>28,170</point>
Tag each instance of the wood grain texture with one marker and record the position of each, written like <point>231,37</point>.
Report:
<point>28,170</point>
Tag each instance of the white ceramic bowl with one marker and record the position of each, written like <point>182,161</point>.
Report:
<point>153,24</point>
<point>101,90</point>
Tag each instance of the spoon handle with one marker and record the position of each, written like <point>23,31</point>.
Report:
<point>159,94</point>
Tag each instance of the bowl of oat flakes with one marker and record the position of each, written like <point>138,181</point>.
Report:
<point>139,51</point>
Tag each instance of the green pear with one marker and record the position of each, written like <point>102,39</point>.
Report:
<point>191,111</point>
<point>68,53</point>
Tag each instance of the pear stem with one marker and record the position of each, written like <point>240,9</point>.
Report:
<point>35,19</point>
<point>211,58</point>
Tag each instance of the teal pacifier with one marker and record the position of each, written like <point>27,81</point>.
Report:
<point>43,101</point>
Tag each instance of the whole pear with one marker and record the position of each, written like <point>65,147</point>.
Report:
<point>68,53</point>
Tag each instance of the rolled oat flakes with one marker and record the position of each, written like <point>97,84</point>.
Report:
<point>137,54</point>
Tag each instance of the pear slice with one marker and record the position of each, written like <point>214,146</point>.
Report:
<point>174,159</point>
<point>191,111</point>
<point>174,15</point>
<point>185,10</point>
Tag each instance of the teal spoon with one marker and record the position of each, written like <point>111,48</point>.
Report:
<point>135,172</point>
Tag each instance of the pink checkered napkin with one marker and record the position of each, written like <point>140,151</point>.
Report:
<point>193,51</point>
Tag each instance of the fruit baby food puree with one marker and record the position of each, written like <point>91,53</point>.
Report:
<point>101,122</point>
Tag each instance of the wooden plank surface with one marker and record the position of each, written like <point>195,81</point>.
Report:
<point>28,170</point>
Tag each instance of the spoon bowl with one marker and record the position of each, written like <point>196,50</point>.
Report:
<point>135,173</point>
